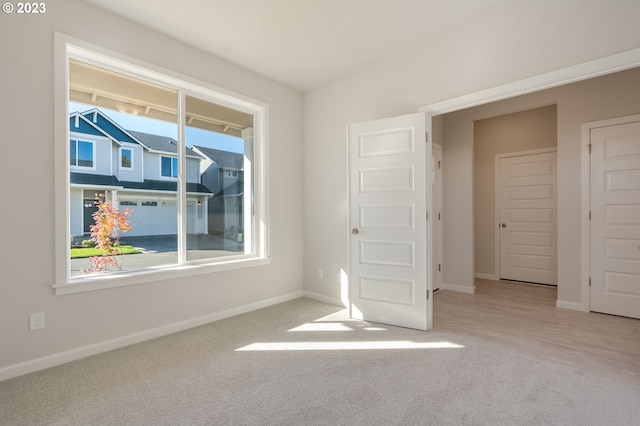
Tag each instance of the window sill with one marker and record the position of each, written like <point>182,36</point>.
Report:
<point>101,282</point>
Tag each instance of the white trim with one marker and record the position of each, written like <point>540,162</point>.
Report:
<point>98,111</point>
<point>324,299</point>
<point>459,288</point>
<point>497,206</point>
<point>481,276</point>
<point>563,304</point>
<point>59,358</point>
<point>585,186</point>
<point>78,116</point>
<point>607,65</point>
<point>66,48</point>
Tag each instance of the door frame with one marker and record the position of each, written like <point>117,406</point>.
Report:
<point>560,77</point>
<point>497,207</point>
<point>585,184</point>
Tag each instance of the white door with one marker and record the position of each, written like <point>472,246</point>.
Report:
<point>437,216</point>
<point>527,221</point>
<point>615,220</point>
<point>388,193</point>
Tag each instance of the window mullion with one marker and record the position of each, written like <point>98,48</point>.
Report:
<point>182,180</point>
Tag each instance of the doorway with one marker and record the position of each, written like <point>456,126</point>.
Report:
<point>522,143</point>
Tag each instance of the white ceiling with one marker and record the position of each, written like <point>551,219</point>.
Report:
<point>301,43</point>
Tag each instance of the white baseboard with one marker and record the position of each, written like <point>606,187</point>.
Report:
<point>460,288</point>
<point>323,298</point>
<point>120,342</point>
<point>563,304</point>
<point>481,276</point>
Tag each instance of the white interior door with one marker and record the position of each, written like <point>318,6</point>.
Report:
<point>388,202</point>
<point>615,220</point>
<point>527,223</point>
<point>437,216</point>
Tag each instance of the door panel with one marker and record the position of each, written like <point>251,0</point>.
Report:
<point>527,218</point>
<point>437,216</point>
<point>615,222</point>
<point>388,203</point>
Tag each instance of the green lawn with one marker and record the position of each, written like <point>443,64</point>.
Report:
<point>79,253</point>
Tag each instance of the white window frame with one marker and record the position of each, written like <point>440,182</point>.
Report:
<point>177,165</point>
<point>120,166</point>
<point>257,223</point>
<point>93,155</point>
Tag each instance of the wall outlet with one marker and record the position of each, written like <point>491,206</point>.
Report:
<point>320,274</point>
<point>36,321</point>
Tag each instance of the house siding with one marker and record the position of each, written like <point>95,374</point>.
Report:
<point>75,212</point>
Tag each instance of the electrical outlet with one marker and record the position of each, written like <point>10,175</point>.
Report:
<point>320,274</point>
<point>36,321</point>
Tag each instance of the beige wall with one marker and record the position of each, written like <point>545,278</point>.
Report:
<point>27,265</point>
<point>610,96</point>
<point>497,46</point>
<point>520,131</point>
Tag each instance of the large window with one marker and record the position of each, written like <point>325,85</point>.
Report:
<point>169,167</point>
<point>126,158</point>
<point>80,153</point>
<point>176,207</point>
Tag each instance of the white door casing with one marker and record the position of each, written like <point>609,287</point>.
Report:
<point>615,219</point>
<point>388,201</point>
<point>526,210</point>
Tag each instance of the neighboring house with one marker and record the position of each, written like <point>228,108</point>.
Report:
<point>138,170</point>
<point>223,173</point>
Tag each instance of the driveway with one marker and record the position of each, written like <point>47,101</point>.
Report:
<point>160,250</point>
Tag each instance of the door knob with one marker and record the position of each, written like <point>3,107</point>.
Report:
<point>355,231</point>
<point>504,225</point>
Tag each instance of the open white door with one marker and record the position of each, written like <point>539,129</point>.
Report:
<point>615,223</point>
<point>390,279</point>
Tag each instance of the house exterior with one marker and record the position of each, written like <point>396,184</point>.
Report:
<point>137,170</point>
<point>223,173</point>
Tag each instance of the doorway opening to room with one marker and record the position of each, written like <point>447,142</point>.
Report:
<point>515,196</point>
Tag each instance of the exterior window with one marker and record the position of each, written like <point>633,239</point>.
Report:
<point>169,167</point>
<point>126,158</point>
<point>81,153</point>
<point>195,217</point>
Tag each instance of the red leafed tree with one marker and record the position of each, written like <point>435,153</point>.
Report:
<point>110,222</point>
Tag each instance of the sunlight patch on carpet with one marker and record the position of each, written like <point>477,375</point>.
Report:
<point>347,346</point>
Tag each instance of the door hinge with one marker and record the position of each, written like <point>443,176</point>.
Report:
<point>589,281</point>
<point>439,267</point>
<point>589,148</point>
<point>589,214</point>
<point>427,215</point>
<point>426,137</point>
<point>439,164</point>
<point>427,294</point>
<point>439,217</point>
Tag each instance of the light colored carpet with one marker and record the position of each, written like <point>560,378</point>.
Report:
<point>302,362</point>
